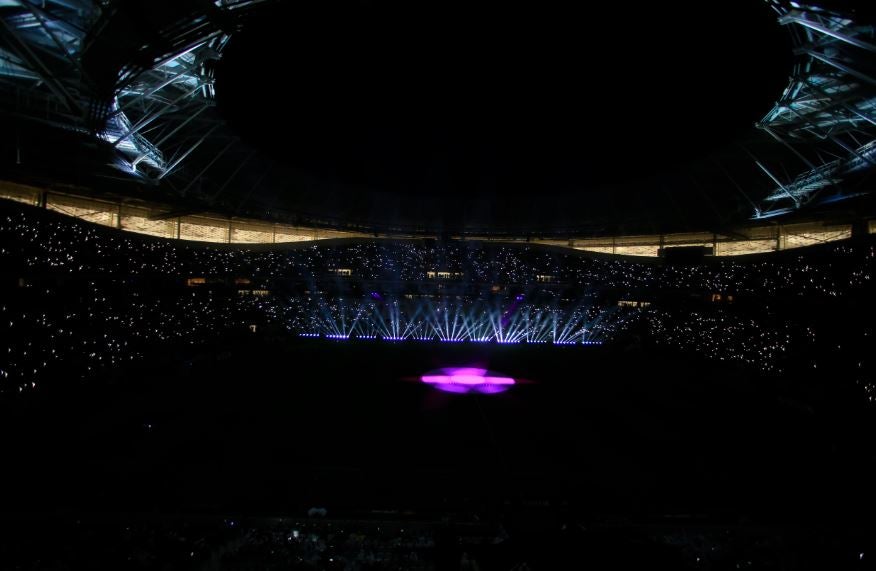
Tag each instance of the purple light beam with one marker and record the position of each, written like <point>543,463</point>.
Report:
<point>467,380</point>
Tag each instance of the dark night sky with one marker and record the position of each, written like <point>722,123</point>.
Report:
<point>444,97</point>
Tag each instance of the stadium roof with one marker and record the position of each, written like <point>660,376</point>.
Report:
<point>445,117</point>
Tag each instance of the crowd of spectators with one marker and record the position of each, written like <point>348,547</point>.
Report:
<point>265,544</point>
<point>83,299</point>
<point>719,334</point>
<point>224,543</point>
<point>42,242</point>
<point>81,302</point>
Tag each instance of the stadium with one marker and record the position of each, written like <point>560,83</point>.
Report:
<point>381,285</point>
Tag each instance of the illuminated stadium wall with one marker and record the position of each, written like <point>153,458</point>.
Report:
<point>145,218</point>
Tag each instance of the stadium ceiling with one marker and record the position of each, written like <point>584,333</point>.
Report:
<point>139,76</point>
<point>828,107</point>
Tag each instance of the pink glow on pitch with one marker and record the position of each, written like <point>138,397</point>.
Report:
<point>466,380</point>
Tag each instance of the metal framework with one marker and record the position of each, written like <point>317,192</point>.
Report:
<point>151,98</point>
<point>827,114</point>
<point>40,64</point>
<point>161,116</point>
<point>159,113</point>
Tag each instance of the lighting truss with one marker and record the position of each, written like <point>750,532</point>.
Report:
<point>456,320</point>
<point>827,114</point>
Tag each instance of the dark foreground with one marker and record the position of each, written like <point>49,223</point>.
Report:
<point>601,441</point>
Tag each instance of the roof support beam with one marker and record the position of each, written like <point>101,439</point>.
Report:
<point>840,66</point>
<point>799,155</point>
<point>38,14</point>
<point>25,54</point>
<point>175,163</point>
<point>800,18</point>
<point>204,170</point>
<point>778,182</point>
<point>814,87</point>
<point>164,139</point>
<point>149,118</point>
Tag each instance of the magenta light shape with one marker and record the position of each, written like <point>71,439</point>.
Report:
<point>467,380</point>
